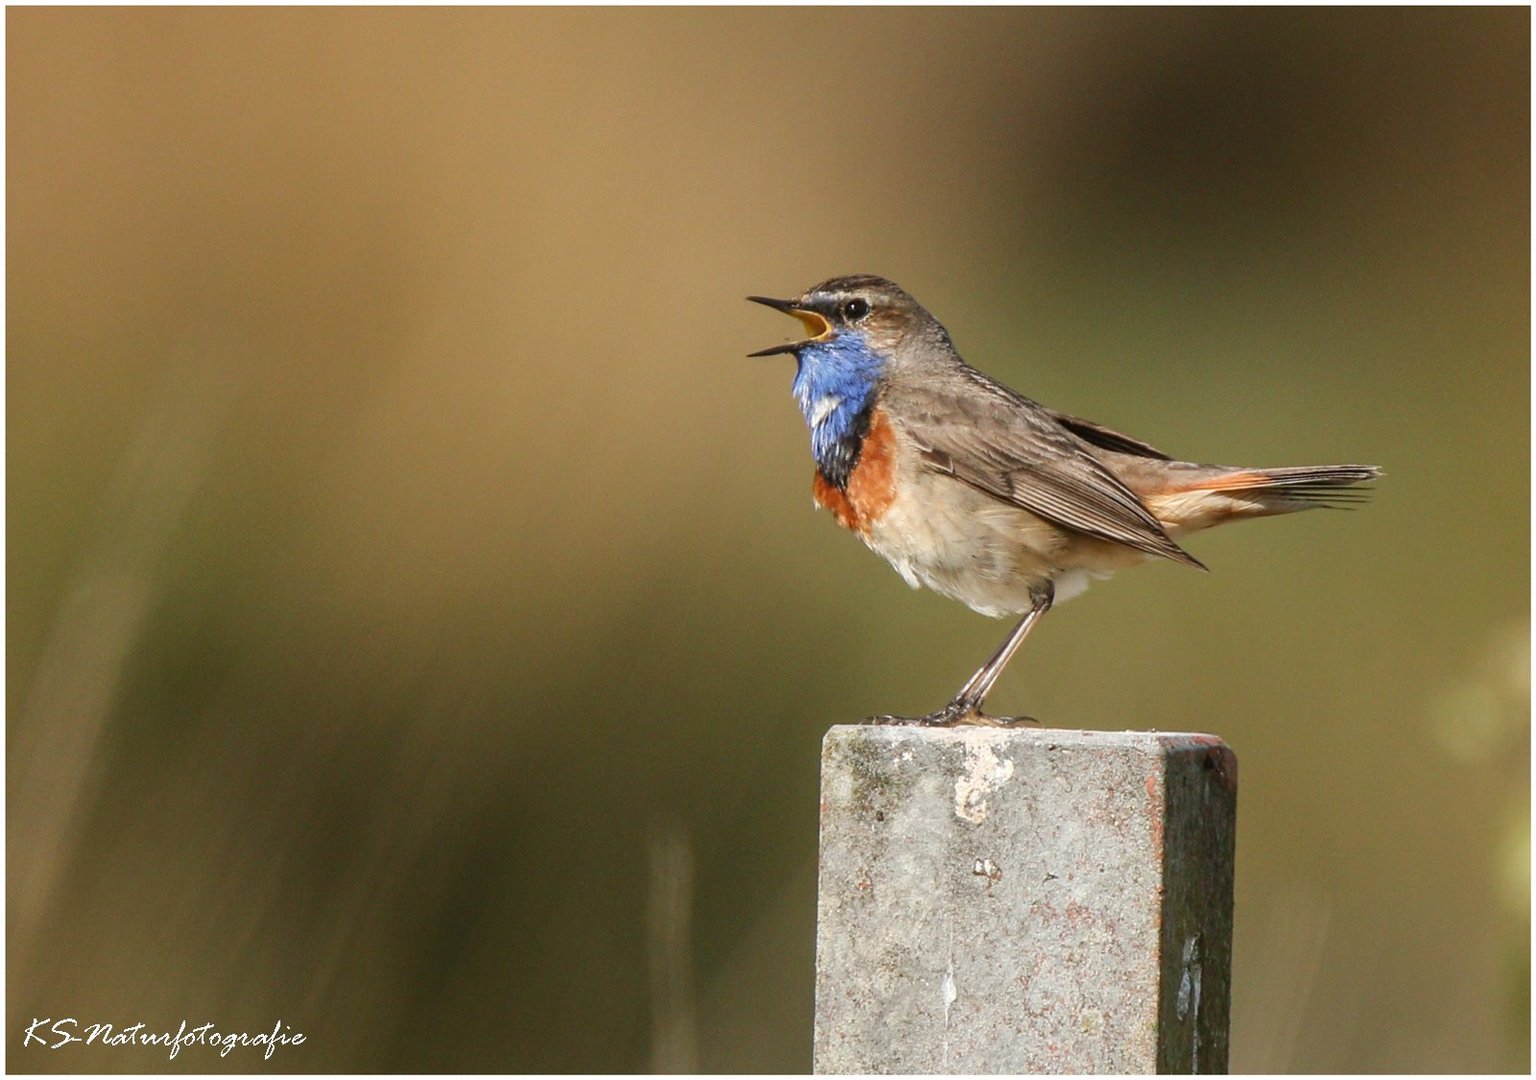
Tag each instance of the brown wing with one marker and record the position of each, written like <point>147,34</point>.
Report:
<point>1106,438</point>
<point>1017,451</point>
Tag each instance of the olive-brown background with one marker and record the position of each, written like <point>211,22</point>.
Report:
<point>418,628</point>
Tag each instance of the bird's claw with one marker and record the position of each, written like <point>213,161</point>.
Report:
<point>938,719</point>
<point>955,714</point>
<point>1004,721</point>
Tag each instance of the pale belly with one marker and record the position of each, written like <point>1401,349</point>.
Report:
<point>990,556</point>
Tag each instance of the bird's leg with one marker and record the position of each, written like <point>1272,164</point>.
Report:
<point>966,706</point>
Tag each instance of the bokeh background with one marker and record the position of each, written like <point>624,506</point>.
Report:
<point>418,627</point>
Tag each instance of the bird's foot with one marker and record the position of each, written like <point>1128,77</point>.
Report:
<point>981,719</point>
<point>955,714</point>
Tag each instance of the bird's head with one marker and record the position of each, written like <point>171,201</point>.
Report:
<point>860,311</point>
<point>860,327</point>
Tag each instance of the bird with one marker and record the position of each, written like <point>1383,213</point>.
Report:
<point>984,495</point>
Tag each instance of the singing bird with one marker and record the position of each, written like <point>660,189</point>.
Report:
<point>983,495</point>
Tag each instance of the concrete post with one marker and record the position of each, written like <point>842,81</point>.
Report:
<point>1030,900</point>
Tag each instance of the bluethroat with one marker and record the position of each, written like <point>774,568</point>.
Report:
<point>983,495</point>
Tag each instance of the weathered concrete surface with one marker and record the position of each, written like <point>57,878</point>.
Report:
<point>1007,901</point>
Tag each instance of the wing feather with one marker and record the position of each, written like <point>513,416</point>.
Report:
<point>1106,438</point>
<point>1021,453</point>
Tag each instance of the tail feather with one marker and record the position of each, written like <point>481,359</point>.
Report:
<point>1306,485</point>
<point>1325,476</point>
<point>1216,494</point>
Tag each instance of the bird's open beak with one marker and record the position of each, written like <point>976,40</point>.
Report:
<point>816,325</point>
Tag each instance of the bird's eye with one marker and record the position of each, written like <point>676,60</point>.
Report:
<point>855,309</point>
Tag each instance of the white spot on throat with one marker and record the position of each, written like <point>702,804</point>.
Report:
<point>824,408</point>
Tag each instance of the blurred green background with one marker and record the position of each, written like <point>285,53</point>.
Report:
<point>419,630</point>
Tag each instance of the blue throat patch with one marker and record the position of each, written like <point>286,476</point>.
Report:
<point>835,386</point>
